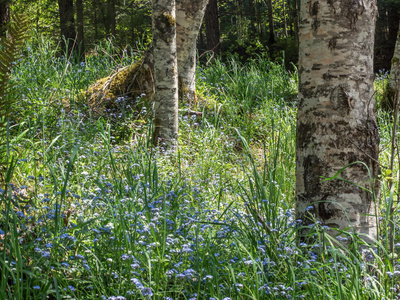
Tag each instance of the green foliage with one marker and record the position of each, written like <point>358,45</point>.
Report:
<point>288,49</point>
<point>251,94</point>
<point>89,212</point>
<point>10,50</point>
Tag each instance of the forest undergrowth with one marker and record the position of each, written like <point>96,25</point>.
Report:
<point>90,210</point>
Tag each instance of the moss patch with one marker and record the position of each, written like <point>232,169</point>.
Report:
<point>132,82</point>
<point>168,20</point>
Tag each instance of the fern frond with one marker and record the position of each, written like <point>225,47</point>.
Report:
<point>10,49</point>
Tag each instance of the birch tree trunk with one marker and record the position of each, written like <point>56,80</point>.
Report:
<point>189,16</point>
<point>165,73</point>
<point>336,121</point>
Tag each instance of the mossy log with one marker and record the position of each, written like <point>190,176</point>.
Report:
<point>130,82</point>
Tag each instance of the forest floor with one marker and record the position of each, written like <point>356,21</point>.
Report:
<point>90,210</point>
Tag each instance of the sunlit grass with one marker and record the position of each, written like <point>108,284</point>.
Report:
<point>89,212</point>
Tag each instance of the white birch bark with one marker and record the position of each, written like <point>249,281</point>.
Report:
<point>189,16</point>
<point>165,73</point>
<point>336,122</point>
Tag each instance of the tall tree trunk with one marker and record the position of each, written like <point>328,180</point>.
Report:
<point>111,17</point>
<point>80,21</point>
<point>259,20</point>
<point>67,23</point>
<point>336,121</point>
<point>4,16</point>
<point>189,16</point>
<point>392,92</point>
<point>290,18</point>
<point>105,16</point>
<point>386,33</point>
<point>132,23</point>
<point>393,24</point>
<point>212,26</point>
<point>95,21</point>
<point>296,20</point>
<point>201,45</point>
<point>394,78</point>
<point>285,31</point>
<point>239,19</point>
<point>271,22</point>
<point>253,32</point>
<point>165,73</point>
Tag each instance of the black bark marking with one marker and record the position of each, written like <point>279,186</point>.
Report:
<point>316,67</point>
<point>332,43</point>
<point>166,25</point>
<point>304,134</point>
<point>314,8</point>
<point>312,175</point>
<point>306,91</point>
<point>156,133</point>
<point>315,24</point>
<point>340,100</point>
<point>328,76</point>
<point>324,211</point>
<point>352,9</point>
<point>352,157</point>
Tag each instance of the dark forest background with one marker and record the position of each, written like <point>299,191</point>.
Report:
<point>244,27</point>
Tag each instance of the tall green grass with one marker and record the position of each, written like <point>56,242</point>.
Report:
<point>87,213</point>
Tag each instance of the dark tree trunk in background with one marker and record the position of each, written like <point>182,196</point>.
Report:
<point>109,17</point>
<point>4,16</point>
<point>386,33</point>
<point>393,26</point>
<point>285,30</point>
<point>392,87</point>
<point>290,18</point>
<point>271,22</point>
<point>104,17</point>
<point>296,20</point>
<point>259,20</point>
<point>253,31</point>
<point>80,21</point>
<point>201,41</point>
<point>112,17</point>
<point>95,20</point>
<point>239,19</point>
<point>67,24</point>
<point>212,26</point>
